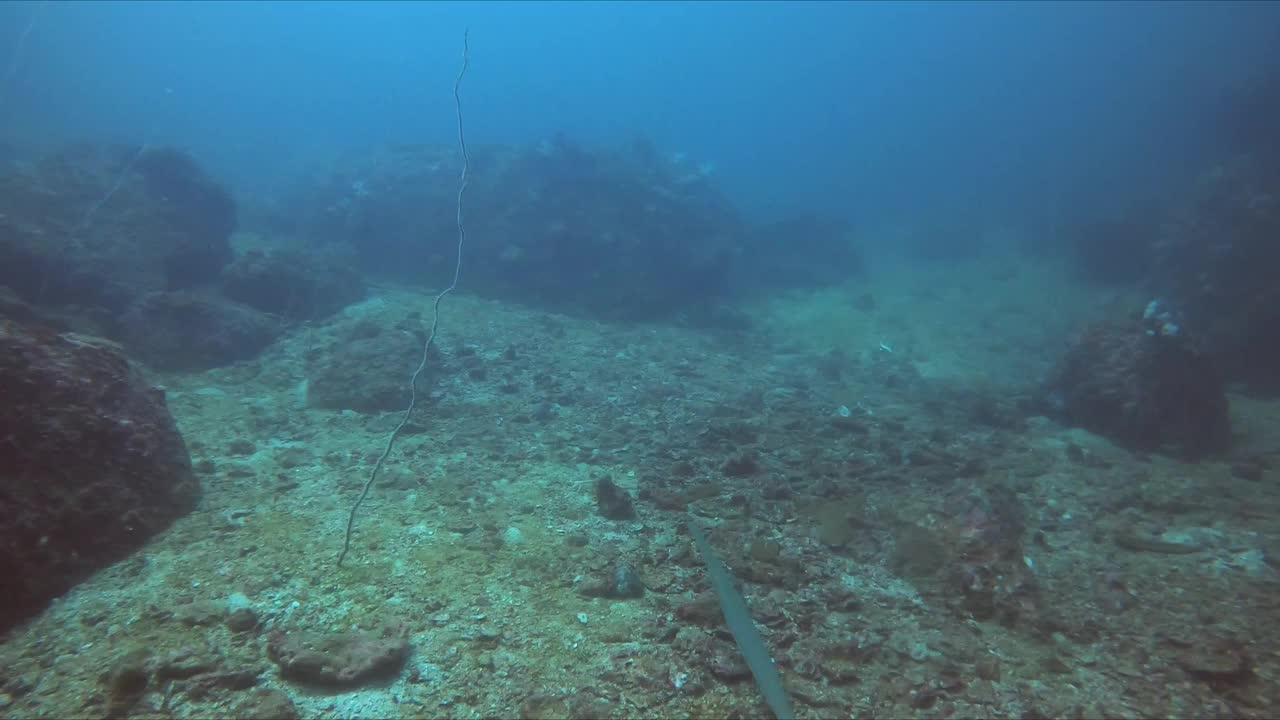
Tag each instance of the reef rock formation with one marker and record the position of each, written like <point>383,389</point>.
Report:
<point>195,331</point>
<point>91,463</point>
<point>291,285</point>
<point>1143,384</point>
<point>624,235</point>
<point>97,226</point>
<point>1218,262</point>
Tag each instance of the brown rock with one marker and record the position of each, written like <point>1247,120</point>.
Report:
<point>337,659</point>
<point>91,463</point>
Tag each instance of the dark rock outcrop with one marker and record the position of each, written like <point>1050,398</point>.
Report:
<point>91,463</point>
<point>612,501</point>
<point>622,235</point>
<point>291,285</point>
<point>1218,262</point>
<point>194,331</point>
<point>98,225</point>
<point>1143,387</point>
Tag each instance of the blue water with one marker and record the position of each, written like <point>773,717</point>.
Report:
<point>858,108</point>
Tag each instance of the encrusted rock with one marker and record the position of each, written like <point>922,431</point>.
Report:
<point>97,225</point>
<point>91,463</point>
<point>367,368</point>
<point>337,659</point>
<point>291,285</point>
<point>187,330</point>
<point>266,705</point>
<point>612,501</point>
<point>242,620</point>
<point>1142,387</point>
<point>1219,664</point>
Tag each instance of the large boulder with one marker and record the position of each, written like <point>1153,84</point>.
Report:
<point>291,285</point>
<point>175,331</point>
<point>97,226</point>
<point>621,234</point>
<point>1218,262</point>
<point>91,463</point>
<point>1144,384</point>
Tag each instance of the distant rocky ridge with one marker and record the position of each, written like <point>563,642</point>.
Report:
<point>133,243</point>
<point>626,233</point>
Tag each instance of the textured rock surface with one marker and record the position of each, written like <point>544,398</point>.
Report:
<point>98,225</point>
<point>187,330</point>
<point>291,285</point>
<point>1142,391</point>
<point>622,234</point>
<point>91,463</point>
<point>367,367</point>
<point>1218,263</point>
<point>1036,541</point>
<point>337,659</point>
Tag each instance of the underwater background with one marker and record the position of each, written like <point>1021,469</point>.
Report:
<point>630,359</point>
